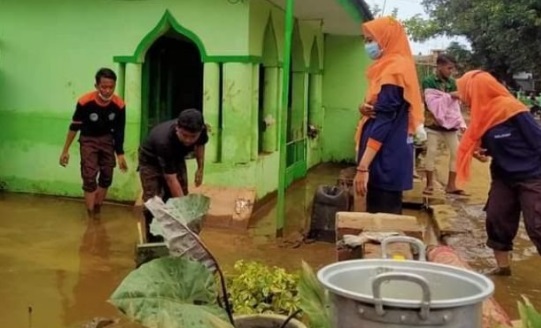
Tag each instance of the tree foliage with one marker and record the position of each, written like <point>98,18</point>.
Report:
<point>505,35</point>
<point>377,11</point>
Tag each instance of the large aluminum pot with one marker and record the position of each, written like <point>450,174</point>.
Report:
<point>398,294</point>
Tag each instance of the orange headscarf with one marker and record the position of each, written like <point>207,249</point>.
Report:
<point>396,66</point>
<point>490,104</point>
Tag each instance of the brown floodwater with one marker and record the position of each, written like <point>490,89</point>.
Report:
<point>58,270</point>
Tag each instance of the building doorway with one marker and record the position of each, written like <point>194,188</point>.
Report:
<point>173,79</point>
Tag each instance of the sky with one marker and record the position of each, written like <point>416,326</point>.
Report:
<point>407,9</point>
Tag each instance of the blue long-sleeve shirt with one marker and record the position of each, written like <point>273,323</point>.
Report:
<point>515,148</point>
<point>392,168</point>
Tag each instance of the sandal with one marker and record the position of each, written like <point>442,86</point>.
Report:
<point>457,192</point>
<point>428,191</point>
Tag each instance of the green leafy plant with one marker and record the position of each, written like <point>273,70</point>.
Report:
<point>256,288</point>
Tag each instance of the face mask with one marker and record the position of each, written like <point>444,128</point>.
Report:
<point>102,97</point>
<point>373,50</point>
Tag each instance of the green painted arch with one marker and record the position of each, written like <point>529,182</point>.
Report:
<point>166,23</point>
<point>315,64</point>
<point>269,52</point>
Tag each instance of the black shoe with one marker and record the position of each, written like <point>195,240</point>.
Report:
<point>499,272</point>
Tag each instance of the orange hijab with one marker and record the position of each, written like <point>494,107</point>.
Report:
<point>396,66</point>
<point>490,104</point>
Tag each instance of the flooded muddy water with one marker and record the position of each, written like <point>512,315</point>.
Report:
<point>58,270</point>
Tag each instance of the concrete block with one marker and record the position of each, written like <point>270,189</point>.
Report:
<point>445,220</point>
<point>356,222</point>
<point>416,197</point>
<point>230,208</point>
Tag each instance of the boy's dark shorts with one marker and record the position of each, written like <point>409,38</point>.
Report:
<point>97,156</point>
<point>154,184</point>
<point>506,202</point>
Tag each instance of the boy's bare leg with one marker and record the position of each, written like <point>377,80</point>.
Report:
<point>90,200</point>
<point>101,193</point>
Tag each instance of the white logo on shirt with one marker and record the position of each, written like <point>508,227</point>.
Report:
<point>111,116</point>
<point>94,117</point>
<point>409,140</point>
<point>503,135</point>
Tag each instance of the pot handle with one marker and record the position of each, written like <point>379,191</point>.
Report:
<point>404,239</point>
<point>384,277</point>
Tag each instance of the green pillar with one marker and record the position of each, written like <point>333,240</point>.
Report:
<point>280,208</point>
<point>279,110</point>
<point>316,100</point>
<point>298,117</point>
<point>237,112</point>
<point>255,113</point>
<point>315,118</point>
<point>121,78</point>
<point>132,97</point>
<point>270,106</point>
<point>211,109</point>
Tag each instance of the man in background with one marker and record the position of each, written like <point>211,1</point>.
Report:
<point>443,82</point>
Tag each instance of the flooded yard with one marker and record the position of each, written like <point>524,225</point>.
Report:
<point>58,270</point>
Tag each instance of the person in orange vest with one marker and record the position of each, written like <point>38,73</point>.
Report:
<point>502,128</point>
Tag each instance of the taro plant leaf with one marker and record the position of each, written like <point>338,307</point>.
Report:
<point>530,317</point>
<point>173,220</point>
<point>189,210</point>
<point>314,301</point>
<point>169,293</point>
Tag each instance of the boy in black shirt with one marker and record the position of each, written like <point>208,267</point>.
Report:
<point>100,116</point>
<point>162,164</point>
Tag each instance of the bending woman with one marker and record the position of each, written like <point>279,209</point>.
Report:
<point>391,113</point>
<point>503,128</point>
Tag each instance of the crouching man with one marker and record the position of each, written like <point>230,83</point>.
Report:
<point>162,159</point>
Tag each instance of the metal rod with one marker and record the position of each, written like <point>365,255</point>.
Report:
<point>280,208</point>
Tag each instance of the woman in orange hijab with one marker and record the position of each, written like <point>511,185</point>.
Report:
<point>392,112</point>
<point>503,128</point>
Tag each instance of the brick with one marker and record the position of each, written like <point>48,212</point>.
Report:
<point>355,223</point>
<point>346,253</point>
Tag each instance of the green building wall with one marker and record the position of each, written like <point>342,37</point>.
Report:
<point>48,56</point>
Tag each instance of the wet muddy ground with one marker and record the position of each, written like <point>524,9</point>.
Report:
<point>58,270</point>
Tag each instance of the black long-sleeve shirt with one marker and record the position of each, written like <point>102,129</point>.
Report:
<point>95,120</point>
<point>515,148</point>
